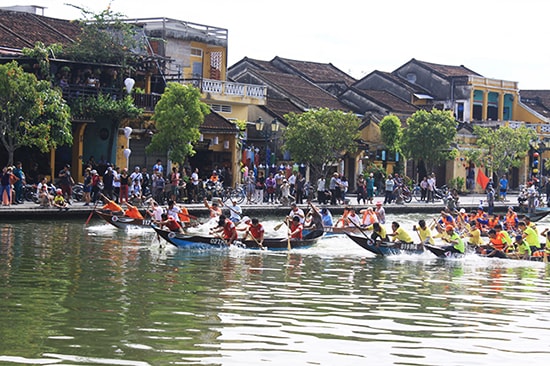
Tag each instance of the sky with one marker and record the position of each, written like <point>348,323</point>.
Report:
<point>499,39</point>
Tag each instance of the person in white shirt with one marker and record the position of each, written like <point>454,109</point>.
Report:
<point>173,210</point>
<point>156,211</point>
<point>296,211</point>
<point>116,183</point>
<point>235,211</point>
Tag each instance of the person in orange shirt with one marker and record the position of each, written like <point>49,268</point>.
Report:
<point>111,205</point>
<point>511,220</point>
<point>133,212</point>
<point>497,247</point>
<point>296,228</point>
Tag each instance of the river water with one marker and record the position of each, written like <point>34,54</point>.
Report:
<point>93,295</point>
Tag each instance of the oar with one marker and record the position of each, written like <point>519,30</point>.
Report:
<point>278,226</point>
<point>91,213</point>
<point>288,236</point>
<point>257,242</point>
<point>360,229</point>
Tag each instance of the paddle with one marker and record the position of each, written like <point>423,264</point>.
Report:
<point>288,236</point>
<point>91,213</point>
<point>360,229</point>
<point>257,242</point>
<point>278,226</point>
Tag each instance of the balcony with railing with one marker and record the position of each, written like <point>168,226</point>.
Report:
<point>219,88</point>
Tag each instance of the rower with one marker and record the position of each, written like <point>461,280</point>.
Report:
<point>457,245</point>
<point>227,228</point>
<point>399,234</point>
<point>170,223</point>
<point>424,232</point>
<point>256,230</point>
<point>296,228</point>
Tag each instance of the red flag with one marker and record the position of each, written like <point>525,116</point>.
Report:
<point>482,179</point>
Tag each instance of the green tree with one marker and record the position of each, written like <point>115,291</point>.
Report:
<point>501,148</point>
<point>320,137</point>
<point>178,116</point>
<point>428,137</point>
<point>105,38</point>
<point>42,53</point>
<point>391,133</point>
<point>31,113</point>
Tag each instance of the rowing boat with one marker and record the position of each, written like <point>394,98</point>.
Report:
<point>186,241</point>
<point>384,248</point>
<point>124,222</point>
<point>440,252</point>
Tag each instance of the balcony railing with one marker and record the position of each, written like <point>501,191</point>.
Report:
<point>228,88</point>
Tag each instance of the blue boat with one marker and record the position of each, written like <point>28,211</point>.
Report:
<point>186,241</point>
<point>386,248</point>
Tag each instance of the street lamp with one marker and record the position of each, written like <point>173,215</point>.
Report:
<point>267,133</point>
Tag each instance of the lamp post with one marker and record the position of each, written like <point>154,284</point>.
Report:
<point>267,132</point>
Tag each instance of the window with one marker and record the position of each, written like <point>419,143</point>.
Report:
<point>221,108</point>
<point>411,77</point>
<point>196,52</point>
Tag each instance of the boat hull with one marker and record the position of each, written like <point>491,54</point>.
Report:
<point>384,249</point>
<point>185,241</point>
<point>124,222</point>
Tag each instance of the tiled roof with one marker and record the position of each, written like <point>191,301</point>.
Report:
<point>309,94</point>
<point>260,64</point>
<point>19,29</point>
<point>318,72</point>
<point>447,70</point>
<point>282,107</point>
<point>538,100</point>
<point>390,101</point>
<point>213,122</point>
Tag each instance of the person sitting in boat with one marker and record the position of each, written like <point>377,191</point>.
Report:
<point>296,211</point>
<point>530,236</point>
<point>505,236</point>
<point>132,212</point>
<point>369,217</point>
<point>110,205</point>
<point>399,234</point>
<point>352,220</point>
<point>496,247</point>
<point>457,244</point>
<point>296,229</point>
<point>446,219</point>
<point>235,211</point>
<point>473,232</point>
<point>173,210</point>
<point>327,217</point>
<point>378,232</point>
<point>59,201</point>
<point>215,210</point>
<point>523,251</point>
<point>342,220</point>
<point>170,223</point>
<point>314,219</point>
<point>256,230</point>
<point>184,217</point>
<point>380,213</point>
<point>511,219</point>
<point>155,211</point>
<point>227,228</point>
<point>424,232</point>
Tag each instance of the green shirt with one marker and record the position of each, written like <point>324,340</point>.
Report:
<point>531,237</point>
<point>459,245</point>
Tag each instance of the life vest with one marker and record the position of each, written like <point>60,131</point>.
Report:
<point>511,220</point>
<point>184,215</point>
<point>133,212</point>
<point>369,218</point>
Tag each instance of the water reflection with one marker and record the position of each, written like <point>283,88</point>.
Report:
<point>97,295</point>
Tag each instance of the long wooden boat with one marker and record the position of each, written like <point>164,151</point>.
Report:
<point>123,222</point>
<point>385,249</point>
<point>539,214</point>
<point>341,230</point>
<point>439,252</point>
<point>185,241</point>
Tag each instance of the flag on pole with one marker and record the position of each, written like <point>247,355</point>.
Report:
<point>482,179</point>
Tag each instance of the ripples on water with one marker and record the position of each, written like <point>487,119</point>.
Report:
<point>95,295</point>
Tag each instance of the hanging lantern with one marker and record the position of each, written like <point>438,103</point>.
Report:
<point>535,170</point>
<point>536,154</point>
<point>127,131</point>
<point>129,84</point>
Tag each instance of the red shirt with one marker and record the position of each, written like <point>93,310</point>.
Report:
<point>256,231</point>
<point>172,224</point>
<point>293,227</point>
<point>229,230</point>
